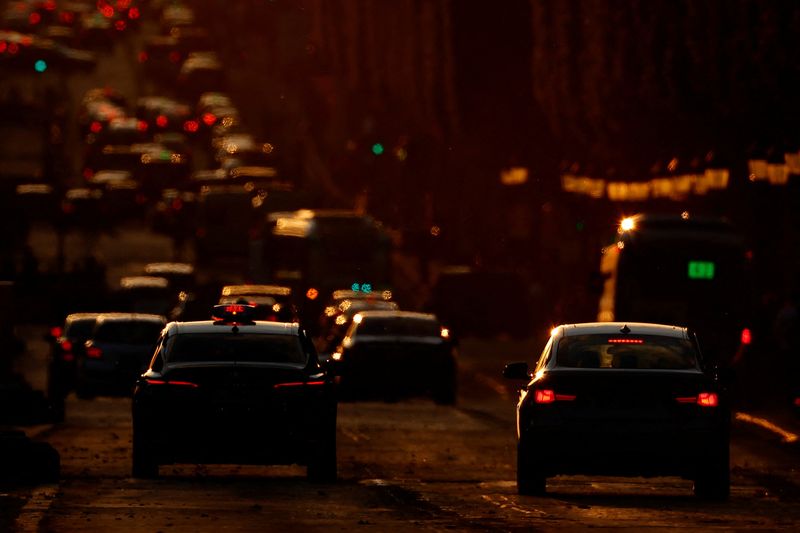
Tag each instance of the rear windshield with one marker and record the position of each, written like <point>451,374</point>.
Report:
<point>626,351</point>
<point>80,328</point>
<point>414,327</point>
<point>243,347</point>
<point>129,331</point>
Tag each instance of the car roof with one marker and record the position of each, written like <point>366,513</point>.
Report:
<point>143,317</point>
<point>611,328</point>
<point>398,314</point>
<point>81,316</point>
<point>255,290</point>
<point>211,326</point>
<point>169,268</point>
<point>135,282</point>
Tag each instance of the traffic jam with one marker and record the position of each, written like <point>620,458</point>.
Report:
<point>213,319</point>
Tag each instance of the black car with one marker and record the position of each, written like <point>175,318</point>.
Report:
<point>622,399</point>
<point>238,391</point>
<point>66,342</point>
<point>117,351</point>
<point>394,354</point>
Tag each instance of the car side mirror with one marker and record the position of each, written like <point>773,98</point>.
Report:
<point>516,371</point>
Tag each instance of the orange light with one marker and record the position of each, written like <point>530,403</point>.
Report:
<point>747,336</point>
<point>161,121</point>
<point>312,293</point>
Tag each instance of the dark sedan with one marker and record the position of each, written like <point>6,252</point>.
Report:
<point>622,399</point>
<point>234,390</point>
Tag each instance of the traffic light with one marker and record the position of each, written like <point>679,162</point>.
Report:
<point>40,65</point>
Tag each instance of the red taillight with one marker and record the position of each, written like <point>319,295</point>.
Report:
<point>299,384</point>
<point>141,125</point>
<point>209,119</point>
<point>66,345</point>
<point>174,57</point>
<point>191,126</point>
<point>707,399</point>
<point>177,204</point>
<point>93,352</point>
<point>176,383</point>
<point>107,11</point>
<point>747,336</point>
<point>133,13</point>
<point>143,57</point>
<point>797,402</point>
<point>704,399</point>
<point>545,396</point>
<point>120,25</point>
<point>161,121</point>
<point>95,127</point>
<point>56,331</point>
<point>549,396</point>
<point>35,18</point>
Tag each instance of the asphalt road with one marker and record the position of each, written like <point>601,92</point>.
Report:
<point>408,465</point>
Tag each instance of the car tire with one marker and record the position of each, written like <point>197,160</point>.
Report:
<point>531,481</point>
<point>713,481</point>
<point>144,464</point>
<point>322,465</point>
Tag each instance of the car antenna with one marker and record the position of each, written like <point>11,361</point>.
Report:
<point>625,329</point>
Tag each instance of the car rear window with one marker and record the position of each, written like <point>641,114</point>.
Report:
<point>128,331</point>
<point>412,327</point>
<point>626,351</point>
<point>241,347</point>
<point>80,328</point>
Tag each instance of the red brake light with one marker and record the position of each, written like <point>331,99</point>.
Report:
<point>704,399</point>
<point>549,396</point>
<point>95,127</point>
<point>299,384</point>
<point>133,13</point>
<point>545,396</point>
<point>707,399</point>
<point>66,345</point>
<point>625,341</point>
<point>209,119</point>
<point>176,383</point>
<point>120,25</point>
<point>141,125</point>
<point>35,18</point>
<point>93,352</point>
<point>191,126</point>
<point>161,121</point>
<point>107,11</point>
<point>747,336</point>
<point>56,331</point>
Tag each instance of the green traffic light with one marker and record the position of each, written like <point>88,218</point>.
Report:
<point>40,65</point>
<point>377,148</point>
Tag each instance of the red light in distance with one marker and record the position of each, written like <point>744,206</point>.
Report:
<point>141,125</point>
<point>143,57</point>
<point>95,127</point>
<point>133,13</point>
<point>161,121</point>
<point>191,126</point>
<point>747,336</point>
<point>174,57</point>
<point>35,18</point>
<point>234,309</point>
<point>120,25</point>
<point>107,11</point>
<point>56,331</point>
<point>209,119</point>
<point>3,47</point>
<point>299,384</point>
<point>94,352</point>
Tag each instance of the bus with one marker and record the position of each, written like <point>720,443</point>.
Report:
<point>316,251</point>
<point>681,270</point>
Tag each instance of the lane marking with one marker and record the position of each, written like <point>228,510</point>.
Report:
<point>504,502</point>
<point>34,511</point>
<point>786,435</point>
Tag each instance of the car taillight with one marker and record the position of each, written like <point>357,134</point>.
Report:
<point>188,384</point>
<point>191,126</point>
<point>162,121</point>
<point>797,402</point>
<point>704,399</point>
<point>549,396</point>
<point>93,352</point>
<point>141,125</point>
<point>209,119</point>
<point>56,331</point>
<point>298,384</point>
<point>95,127</point>
<point>747,336</point>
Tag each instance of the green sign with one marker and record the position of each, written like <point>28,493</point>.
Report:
<point>701,270</point>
